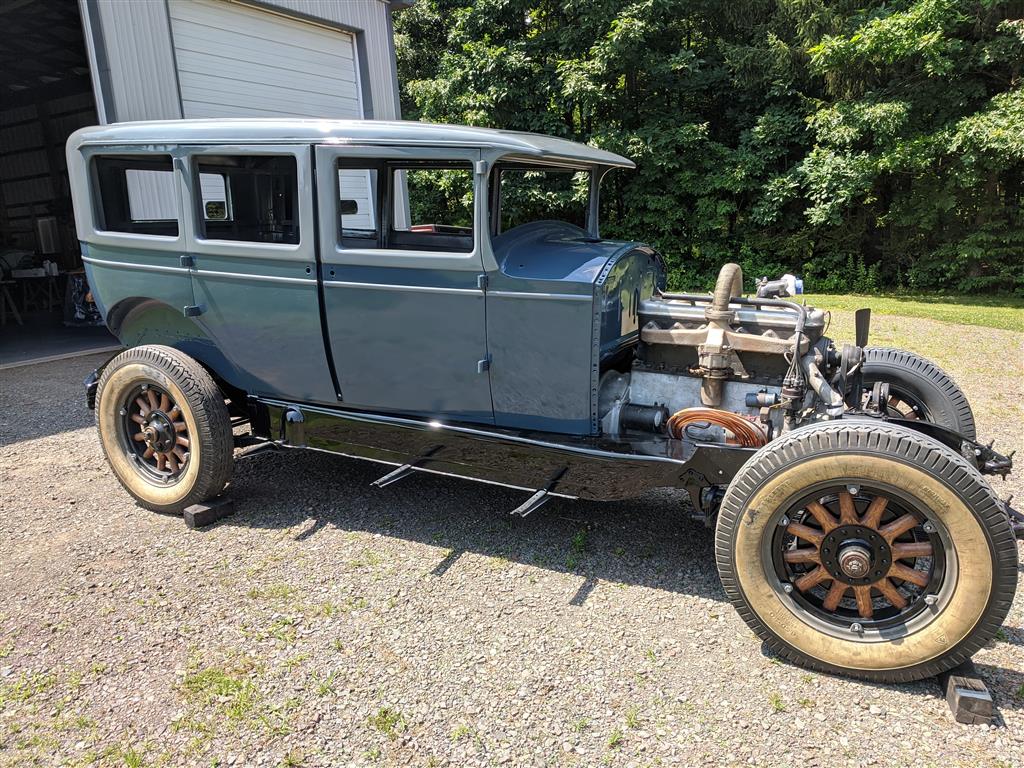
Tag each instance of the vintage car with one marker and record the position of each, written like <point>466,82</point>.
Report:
<point>439,299</point>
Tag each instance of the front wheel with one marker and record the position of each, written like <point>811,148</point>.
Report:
<point>867,550</point>
<point>164,428</point>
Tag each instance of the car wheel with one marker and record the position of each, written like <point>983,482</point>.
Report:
<point>866,549</point>
<point>164,428</point>
<point>918,389</point>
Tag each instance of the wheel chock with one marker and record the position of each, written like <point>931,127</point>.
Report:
<point>208,512</point>
<point>967,695</point>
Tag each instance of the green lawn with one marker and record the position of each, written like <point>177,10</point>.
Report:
<point>992,312</point>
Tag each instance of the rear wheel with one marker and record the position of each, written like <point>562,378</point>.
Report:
<point>868,550</point>
<point>918,389</point>
<point>164,428</point>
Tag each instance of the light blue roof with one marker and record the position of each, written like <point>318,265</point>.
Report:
<point>363,132</point>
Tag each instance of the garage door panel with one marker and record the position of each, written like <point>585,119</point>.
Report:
<point>211,14</point>
<point>226,45</point>
<point>236,61</point>
<point>195,67</point>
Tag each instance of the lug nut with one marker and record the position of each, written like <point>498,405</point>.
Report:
<point>929,527</point>
<point>930,599</point>
<point>787,588</point>
<point>784,521</point>
<point>853,490</point>
<point>856,628</point>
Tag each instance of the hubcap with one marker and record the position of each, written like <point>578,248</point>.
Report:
<point>855,560</point>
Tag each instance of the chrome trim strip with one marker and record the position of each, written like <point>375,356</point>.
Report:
<point>527,295</point>
<point>389,287</point>
<point>133,265</point>
<point>260,278</point>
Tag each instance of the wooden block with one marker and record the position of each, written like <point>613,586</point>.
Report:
<point>209,512</point>
<point>967,695</point>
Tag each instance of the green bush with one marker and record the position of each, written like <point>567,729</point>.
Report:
<point>863,144</point>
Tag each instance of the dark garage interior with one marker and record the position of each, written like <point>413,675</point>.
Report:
<point>45,95</point>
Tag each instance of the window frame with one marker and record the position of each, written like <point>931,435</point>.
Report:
<point>356,156</point>
<point>303,250</point>
<point>98,234</point>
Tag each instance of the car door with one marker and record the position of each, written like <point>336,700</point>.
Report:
<point>404,303</point>
<point>251,243</point>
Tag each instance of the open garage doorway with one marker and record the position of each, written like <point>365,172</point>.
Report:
<point>45,94</point>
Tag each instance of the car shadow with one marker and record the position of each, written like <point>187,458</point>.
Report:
<point>649,541</point>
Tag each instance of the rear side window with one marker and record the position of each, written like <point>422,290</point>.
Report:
<point>250,198</point>
<point>137,194</point>
<point>440,205</point>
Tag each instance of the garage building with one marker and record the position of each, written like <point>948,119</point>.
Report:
<point>64,65</point>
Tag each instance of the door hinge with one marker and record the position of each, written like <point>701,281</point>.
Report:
<point>193,310</point>
<point>482,281</point>
<point>188,261</point>
<point>480,167</point>
<point>483,366</point>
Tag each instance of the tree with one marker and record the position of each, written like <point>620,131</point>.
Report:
<point>863,144</point>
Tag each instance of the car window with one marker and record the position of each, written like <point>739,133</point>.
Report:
<point>424,206</point>
<point>256,199</point>
<point>137,194</point>
<point>542,194</point>
<point>357,206</point>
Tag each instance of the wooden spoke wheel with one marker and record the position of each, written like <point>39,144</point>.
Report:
<point>857,554</point>
<point>164,428</point>
<point>866,549</point>
<point>158,433</point>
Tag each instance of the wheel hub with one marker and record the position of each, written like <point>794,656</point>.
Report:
<point>855,554</point>
<point>156,433</point>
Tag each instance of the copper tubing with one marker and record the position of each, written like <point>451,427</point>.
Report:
<point>746,433</point>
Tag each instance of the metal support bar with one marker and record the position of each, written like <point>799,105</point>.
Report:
<point>541,497</point>
<point>403,471</point>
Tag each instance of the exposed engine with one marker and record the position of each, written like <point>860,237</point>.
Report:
<point>723,368</point>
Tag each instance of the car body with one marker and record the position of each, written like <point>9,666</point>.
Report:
<point>439,298</point>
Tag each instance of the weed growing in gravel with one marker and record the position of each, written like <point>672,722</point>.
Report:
<point>283,630</point>
<point>293,759</point>
<point>366,559</point>
<point>460,732</point>
<point>615,739</point>
<point>25,686</point>
<point>633,717</point>
<point>576,549</point>
<point>581,724</point>
<point>1001,636</point>
<point>5,650</point>
<point>236,693</point>
<point>388,721</point>
<point>650,655</point>
<point>1019,694</point>
<point>806,703</point>
<point>293,661</point>
<point>337,645</point>
<point>778,705</point>
<point>325,686</point>
<point>271,592</point>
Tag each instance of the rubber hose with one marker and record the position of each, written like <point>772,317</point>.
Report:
<point>730,283</point>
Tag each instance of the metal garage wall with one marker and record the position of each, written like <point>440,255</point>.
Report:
<point>237,61</point>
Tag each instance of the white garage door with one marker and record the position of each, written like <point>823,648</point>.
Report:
<point>236,61</point>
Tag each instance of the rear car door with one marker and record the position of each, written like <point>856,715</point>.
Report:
<point>251,244</point>
<point>402,292</point>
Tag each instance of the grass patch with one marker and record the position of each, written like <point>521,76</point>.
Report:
<point>231,689</point>
<point>991,312</point>
<point>580,724</point>
<point>615,739</point>
<point>25,686</point>
<point>776,702</point>
<point>633,717</point>
<point>576,549</point>
<point>271,592</point>
<point>388,721</point>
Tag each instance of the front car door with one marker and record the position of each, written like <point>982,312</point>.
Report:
<point>400,264</point>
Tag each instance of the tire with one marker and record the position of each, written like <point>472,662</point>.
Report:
<point>164,428</point>
<point>970,555</point>
<point>921,383</point>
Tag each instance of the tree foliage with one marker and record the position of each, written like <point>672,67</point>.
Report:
<point>865,144</point>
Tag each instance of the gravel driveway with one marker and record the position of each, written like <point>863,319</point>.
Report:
<point>328,623</point>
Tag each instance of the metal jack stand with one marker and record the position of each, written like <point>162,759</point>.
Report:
<point>967,695</point>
